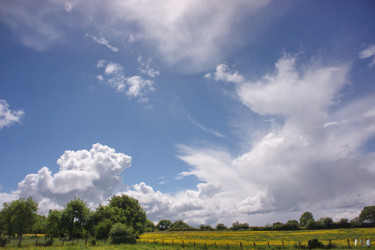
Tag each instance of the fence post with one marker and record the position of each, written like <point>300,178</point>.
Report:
<point>215,245</point>
<point>205,246</point>
<point>348,243</point>
<point>86,241</point>
<point>240,244</point>
<point>194,244</point>
<point>268,243</point>
<point>299,245</point>
<point>172,242</point>
<point>255,245</point>
<point>282,243</point>
<point>36,242</point>
<point>183,246</point>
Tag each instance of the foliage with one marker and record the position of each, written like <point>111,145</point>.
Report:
<point>164,225</point>
<point>367,215</point>
<point>19,216</point>
<point>126,210</point>
<point>39,225</point>
<point>314,243</point>
<point>150,226</point>
<point>305,218</point>
<point>221,226</point>
<point>121,233</point>
<point>74,218</point>
<point>180,226</point>
<point>205,228</point>
<point>53,223</point>
<point>103,229</point>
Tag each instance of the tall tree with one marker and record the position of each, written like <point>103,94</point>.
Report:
<point>128,212</point>
<point>305,218</point>
<point>22,214</point>
<point>74,217</point>
<point>164,225</point>
<point>367,215</point>
<point>53,223</point>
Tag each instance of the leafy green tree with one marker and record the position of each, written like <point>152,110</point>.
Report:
<point>277,226</point>
<point>343,223</point>
<point>150,226</point>
<point>121,233</point>
<point>324,222</point>
<point>53,224</point>
<point>20,216</point>
<point>74,218</point>
<point>305,218</point>
<point>180,226</point>
<point>129,212</point>
<point>103,229</point>
<point>367,215</point>
<point>221,226</point>
<point>291,225</point>
<point>356,222</point>
<point>205,228</point>
<point>6,219</point>
<point>236,226</point>
<point>39,225</point>
<point>164,225</point>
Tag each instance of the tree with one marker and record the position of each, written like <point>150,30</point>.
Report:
<point>367,215</point>
<point>150,226</point>
<point>103,229</point>
<point>164,225</point>
<point>305,218</point>
<point>128,212</point>
<point>324,222</point>
<point>343,223</point>
<point>291,225</point>
<point>39,225</point>
<point>235,226</point>
<point>74,217</point>
<point>121,233</point>
<point>53,224</point>
<point>221,226</point>
<point>19,216</point>
<point>180,226</point>
<point>205,228</point>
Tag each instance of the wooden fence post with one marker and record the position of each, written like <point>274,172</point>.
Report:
<point>299,245</point>
<point>268,243</point>
<point>282,243</point>
<point>183,246</point>
<point>240,244</point>
<point>36,242</point>
<point>255,245</point>
<point>194,244</point>
<point>348,243</point>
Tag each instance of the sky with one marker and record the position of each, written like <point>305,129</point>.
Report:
<point>208,112</point>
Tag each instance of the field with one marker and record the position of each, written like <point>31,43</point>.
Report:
<point>247,239</point>
<point>214,240</point>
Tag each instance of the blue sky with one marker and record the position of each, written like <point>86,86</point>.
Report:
<point>208,112</point>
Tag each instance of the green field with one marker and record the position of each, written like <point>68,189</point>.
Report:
<point>214,240</point>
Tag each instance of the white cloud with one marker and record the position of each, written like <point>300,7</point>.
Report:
<point>9,116</point>
<point>311,160</point>
<point>368,53</point>
<point>222,74</point>
<point>133,86</point>
<point>92,175</point>
<point>103,41</point>
<point>145,68</point>
<point>186,33</point>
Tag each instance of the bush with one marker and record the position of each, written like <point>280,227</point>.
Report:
<point>3,242</point>
<point>103,229</point>
<point>315,243</point>
<point>121,233</point>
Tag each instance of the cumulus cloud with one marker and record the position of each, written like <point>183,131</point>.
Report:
<point>103,41</point>
<point>312,159</point>
<point>133,86</point>
<point>9,116</point>
<point>369,52</point>
<point>93,175</point>
<point>188,33</point>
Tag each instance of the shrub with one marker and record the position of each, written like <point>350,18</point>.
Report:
<point>315,243</point>
<point>121,233</point>
<point>103,229</point>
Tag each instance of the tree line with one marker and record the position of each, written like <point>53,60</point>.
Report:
<point>123,220</point>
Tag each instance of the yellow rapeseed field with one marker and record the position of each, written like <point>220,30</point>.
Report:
<point>338,237</point>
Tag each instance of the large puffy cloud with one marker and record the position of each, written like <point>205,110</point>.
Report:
<point>310,159</point>
<point>9,116</point>
<point>189,33</point>
<point>92,175</point>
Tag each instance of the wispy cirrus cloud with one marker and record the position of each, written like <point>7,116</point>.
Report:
<point>369,52</point>
<point>9,116</point>
<point>103,41</point>
<point>187,33</point>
